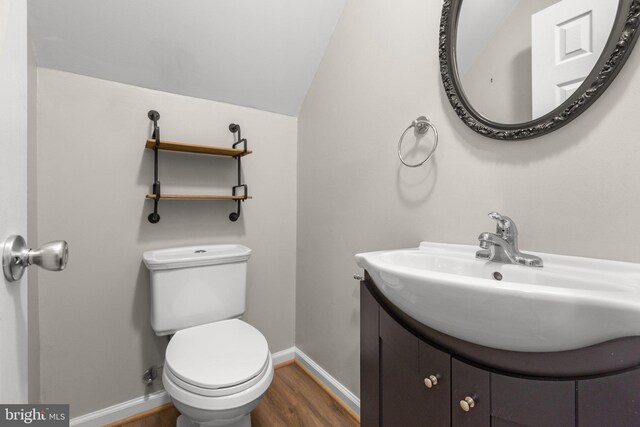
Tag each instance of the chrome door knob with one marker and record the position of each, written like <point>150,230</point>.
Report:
<point>431,381</point>
<point>16,257</point>
<point>52,256</point>
<point>467,404</point>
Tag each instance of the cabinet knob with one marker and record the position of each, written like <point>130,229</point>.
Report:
<point>467,404</point>
<point>430,381</point>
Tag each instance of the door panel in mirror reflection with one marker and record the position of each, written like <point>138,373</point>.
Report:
<point>518,60</point>
<point>567,39</point>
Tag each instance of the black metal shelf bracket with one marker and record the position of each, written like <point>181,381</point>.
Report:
<point>154,217</point>
<point>235,128</point>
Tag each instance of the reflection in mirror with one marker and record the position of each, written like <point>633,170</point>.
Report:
<point>518,60</point>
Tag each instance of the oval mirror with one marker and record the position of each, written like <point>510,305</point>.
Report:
<point>517,69</point>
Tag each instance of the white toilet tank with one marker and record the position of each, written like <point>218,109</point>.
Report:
<point>195,285</point>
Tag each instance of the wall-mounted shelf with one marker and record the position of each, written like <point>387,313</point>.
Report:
<point>197,197</point>
<point>156,144</point>
<point>197,148</point>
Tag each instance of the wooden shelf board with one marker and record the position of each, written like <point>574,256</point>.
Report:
<point>197,197</point>
<point>197,148</point>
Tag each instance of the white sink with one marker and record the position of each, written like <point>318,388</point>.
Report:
<point>569,303</point>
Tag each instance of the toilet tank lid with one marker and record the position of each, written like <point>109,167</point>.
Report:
<point>194,256</point>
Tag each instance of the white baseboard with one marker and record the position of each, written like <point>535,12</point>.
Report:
<point>144,403</point>
<point>283,356</point>
<point>122,410</point>
<point>341,392</point>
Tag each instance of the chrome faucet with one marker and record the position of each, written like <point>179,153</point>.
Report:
<point>503,246</point>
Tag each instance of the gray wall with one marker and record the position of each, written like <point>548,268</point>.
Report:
<point>93,173</point>
<point>571,192</point>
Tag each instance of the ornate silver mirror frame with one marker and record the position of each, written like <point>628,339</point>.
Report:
<point>618,48</point>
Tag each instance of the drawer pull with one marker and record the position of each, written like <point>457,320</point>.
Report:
<point>430,381</point>
<point>467,404</point>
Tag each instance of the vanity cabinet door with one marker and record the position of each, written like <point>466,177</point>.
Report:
<point>406,400</point>
<point>612,401</point>
<point>437,397</point>
<point>399,390</point>
<point>400,382</point>
<point>472,386</point>
<point>524,402</point>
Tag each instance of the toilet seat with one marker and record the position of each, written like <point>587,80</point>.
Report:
<point>217,392</point>
<point>217,359</point>
<point>222,403</point>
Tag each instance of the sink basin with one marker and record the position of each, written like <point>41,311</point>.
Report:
<point>568,304</point>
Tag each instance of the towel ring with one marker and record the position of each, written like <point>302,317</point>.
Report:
<point>421,125</point>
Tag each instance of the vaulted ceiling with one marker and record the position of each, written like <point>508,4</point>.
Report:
<point>255,53</point>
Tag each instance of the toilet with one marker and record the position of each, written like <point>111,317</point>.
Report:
<point>217,367</point>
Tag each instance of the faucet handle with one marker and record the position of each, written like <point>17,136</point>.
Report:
<point>505,227</point>
<point>495,215</point>
<point>503,221</point>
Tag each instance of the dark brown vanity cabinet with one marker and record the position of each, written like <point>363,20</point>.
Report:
<point>408,381</point>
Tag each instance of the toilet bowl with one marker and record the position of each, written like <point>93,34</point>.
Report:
<point>217,367</point>
<point>217,373</point>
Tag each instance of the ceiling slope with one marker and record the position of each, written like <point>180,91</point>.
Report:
<point>255,53</point>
